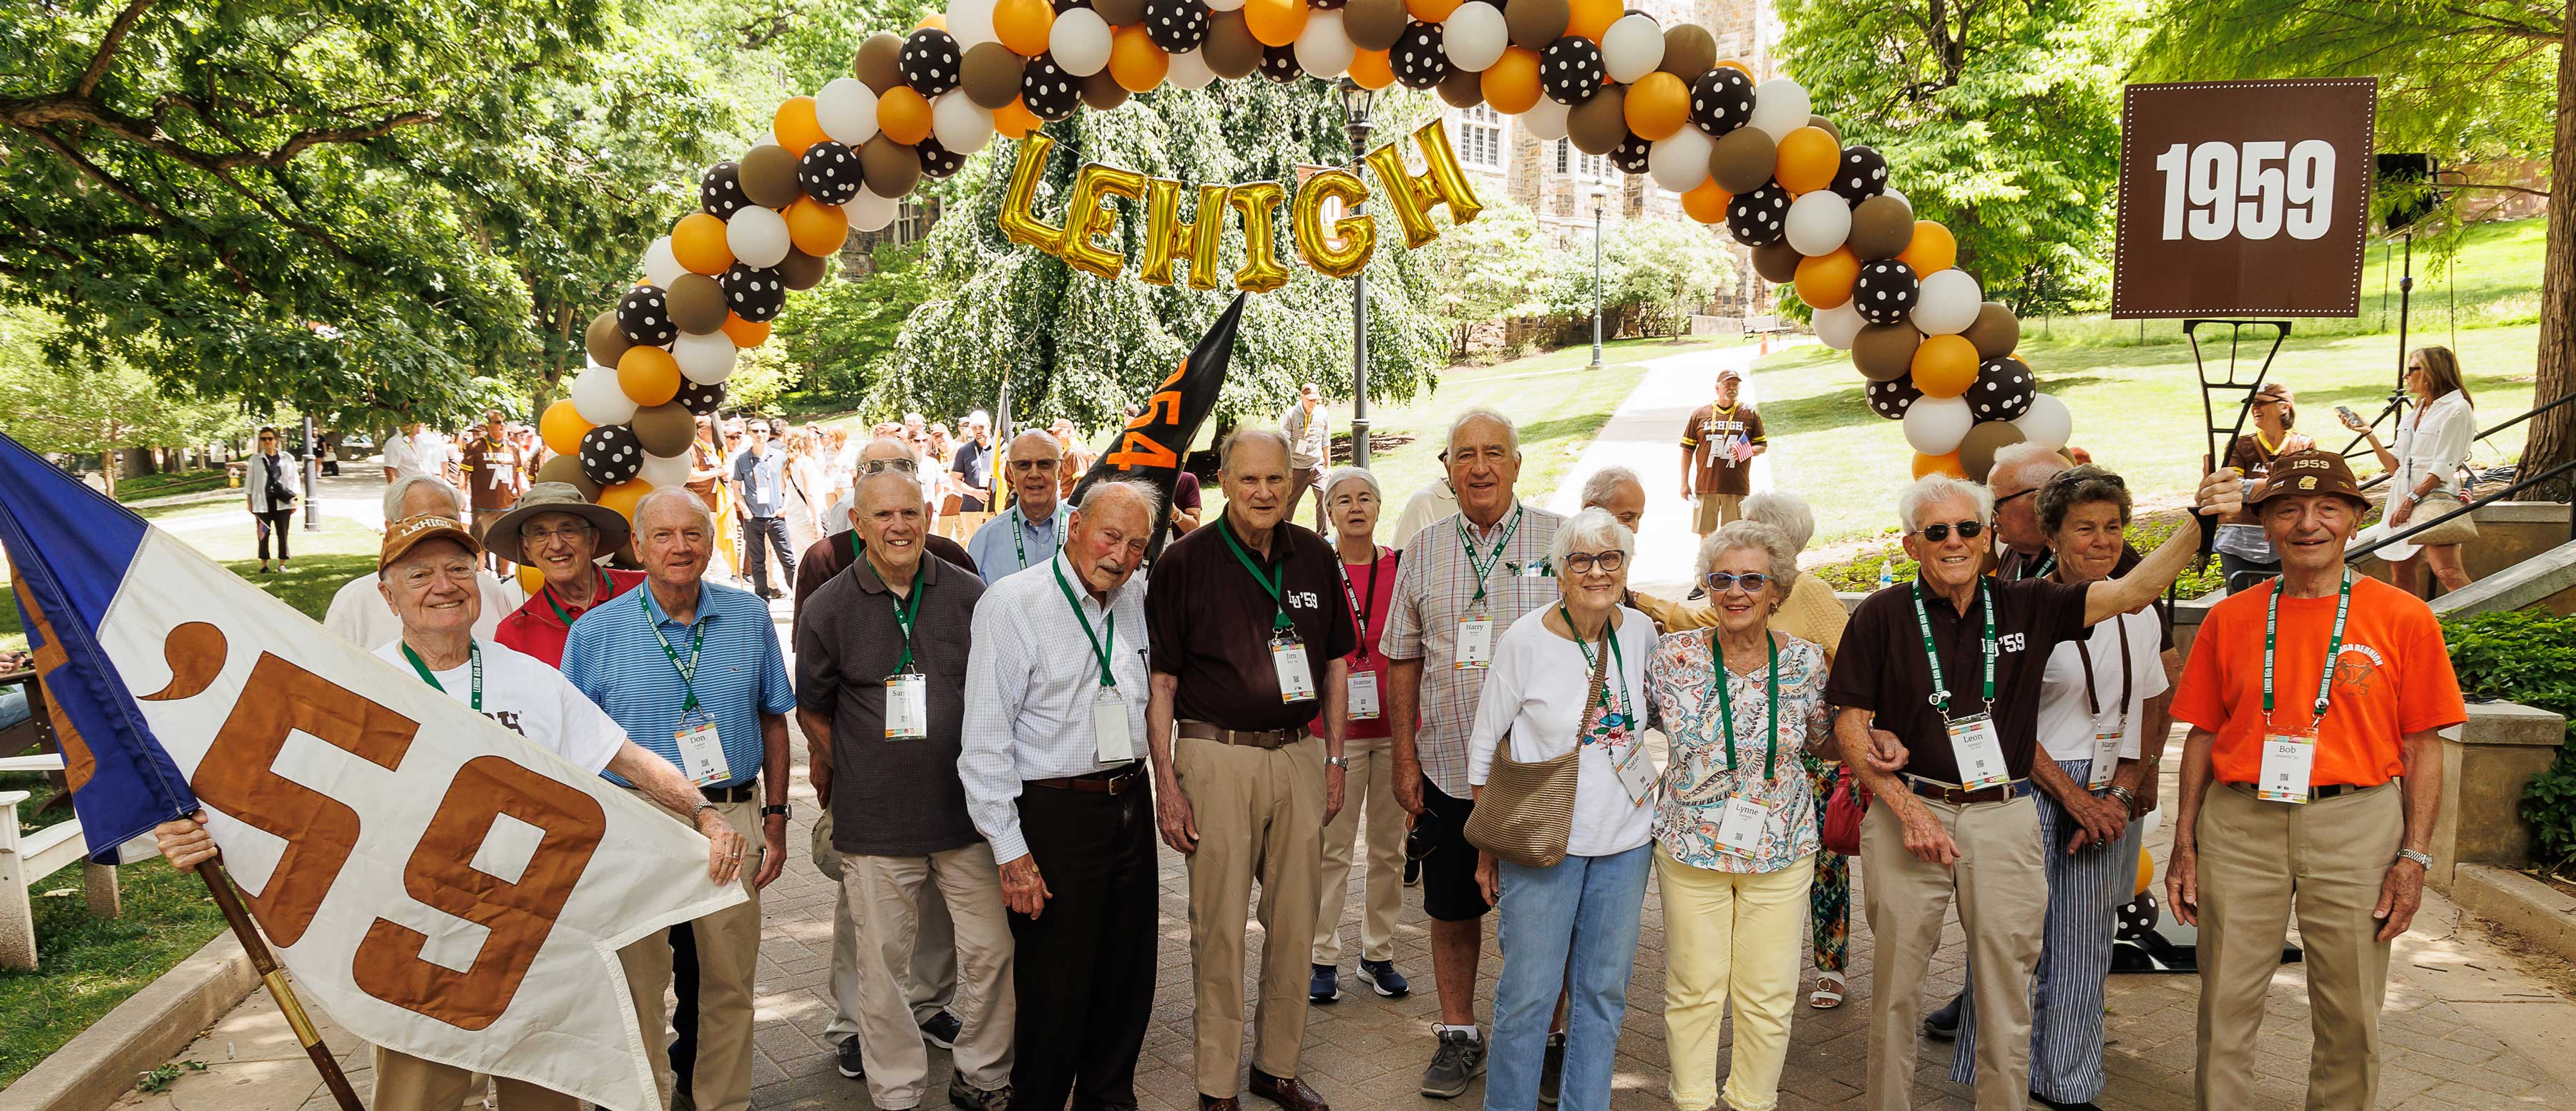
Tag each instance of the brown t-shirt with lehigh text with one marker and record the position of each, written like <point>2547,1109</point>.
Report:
<point>1209,622</point>
<point>1882,668</point>
<point>1711,437</point>
<point>492,472</point>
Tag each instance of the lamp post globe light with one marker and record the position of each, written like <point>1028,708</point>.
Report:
<point>1600,198</point>
<point>1355,111</point>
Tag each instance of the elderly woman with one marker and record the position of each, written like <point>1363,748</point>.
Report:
<point>1810,612</point>
<point>1736,829</point>
<point>1351,502</point>
<point>2424,472</point>
<point>1574,925</point>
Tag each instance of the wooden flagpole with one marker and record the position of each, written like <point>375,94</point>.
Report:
<point>220,882</point>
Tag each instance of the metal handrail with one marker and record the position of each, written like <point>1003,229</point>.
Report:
<point>2534,411</point>
<point>2470,507</point>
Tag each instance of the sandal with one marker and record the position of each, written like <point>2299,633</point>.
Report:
<point>1828,993</point>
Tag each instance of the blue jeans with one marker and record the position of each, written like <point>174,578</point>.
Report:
<point>1572,926</point>
<point>13,706</point>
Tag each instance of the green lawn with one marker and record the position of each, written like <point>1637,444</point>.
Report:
<point>144,486</point>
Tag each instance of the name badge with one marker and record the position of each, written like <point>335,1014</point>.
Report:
<point>1288,658</point>
<point>1475,643</point>
<point>1363,696</point>
<point>1739,826</point>
<point>1636,776</point>
<point>702,757</point>
<point>1109,728</point>
<point>2106,751</point>
<point>907,713</point>
<point>2289,760</point>
<point>1979,752</point>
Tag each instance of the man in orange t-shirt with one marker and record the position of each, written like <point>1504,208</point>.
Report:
<point>2293,808</point>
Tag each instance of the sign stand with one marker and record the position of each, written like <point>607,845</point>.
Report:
<point>2231,381</point>
<point>220,882</point>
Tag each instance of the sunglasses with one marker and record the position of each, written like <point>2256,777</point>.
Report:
<point>1968,530</point>
<point>2007,500</point>
<point>1719,582</point>
<point>1025,466</point>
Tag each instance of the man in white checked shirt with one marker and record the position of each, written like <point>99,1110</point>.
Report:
<point>1052,764</point>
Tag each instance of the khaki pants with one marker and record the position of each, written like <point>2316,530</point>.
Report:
<point>1370,779</point>
<point>2259,862</point>
<point>1731,937</point>
<point>933,982</point>
<point>1718,509</point>
<point>2002,887</point>
<point>1260,816</point>
<point>728,948</point>
<point>407,1083</point>
<point>883,896</point>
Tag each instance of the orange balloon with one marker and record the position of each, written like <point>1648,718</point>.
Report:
<point>1370,70</point>
<point>1433,11</point>
<point>935,19</point>
<point>1825,281</point>
<point>744,333</point>
<point>1659,105</point>
<point>648,375</point>
<point>1272,22</point>
<point>1706,203</point>
<point>1014,120</point>
<point>1945,366</point>
<point>904,115</point>
<point>1023,25</point>
<point>562,428</point>
<point>1808,157</point>
<point>1946,463</point>
<point>623,496</point>
<point>1138,65</point>
<point>795,125</point>
<point>817,228</point>
<point>1511,84</point>
<point>698,242</point>
<point>1737,66</point>
<point>1933,250</point>
<point>1592,18</point>
<point>532,580</point>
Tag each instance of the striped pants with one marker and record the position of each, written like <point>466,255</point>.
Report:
<point>2085,891</point>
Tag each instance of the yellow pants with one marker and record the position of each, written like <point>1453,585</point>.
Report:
<point>1731,937</point>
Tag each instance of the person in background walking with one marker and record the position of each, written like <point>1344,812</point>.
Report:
<point>1718,446</point>
<point>270,485</point>
<point>2245,558</point>
<point>1368,579</point>
<point>760,477</point>
<point>495,474</point>
<point>973,464</point>
<point>1310,446</point>
<point>2424,472</point>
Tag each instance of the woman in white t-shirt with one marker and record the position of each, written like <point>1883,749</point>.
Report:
<point>1574,925</point>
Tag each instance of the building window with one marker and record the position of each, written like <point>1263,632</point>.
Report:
<point>1480,137</point>
<point>911,222</point>
<point>1591,167</point>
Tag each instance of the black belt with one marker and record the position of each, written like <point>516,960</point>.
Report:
<point>738,793</point>
<point>1956,795</point>
<point>2315,794</point>
<point>1113,781</point>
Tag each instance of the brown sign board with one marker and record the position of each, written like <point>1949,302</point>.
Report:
<point>2244,198</point>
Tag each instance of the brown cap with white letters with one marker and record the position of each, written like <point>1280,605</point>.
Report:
<point>2309,472</point>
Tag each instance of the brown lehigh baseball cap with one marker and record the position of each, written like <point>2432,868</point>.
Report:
<point>2312,471</point>
<point>410,532</point>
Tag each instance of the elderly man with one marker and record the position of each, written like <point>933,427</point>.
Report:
<point>1028,535</point>
<point>1055,726</point>
<point>2021,549</point>
<point>1248,631</point>
<point>973,465</point>
<point>562,535</point>
<point>825,558</point>
<point>694,670</point>
<point>2287,802</point>
<point>1310,446</point>
<point>358,613</point>
<point>1465,579</point>
<point>1951,665</point>
<point>426,573</point>
<point>760,480</point>
<point>1618,492</point>
<point>881,681</point>
<point>1718,446</point>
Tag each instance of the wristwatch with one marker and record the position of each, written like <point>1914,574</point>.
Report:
<point>1342,762</point>
<point>779,809</point>
<point>2425,859</point>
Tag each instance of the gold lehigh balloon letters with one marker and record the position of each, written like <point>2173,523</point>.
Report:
<point>1087,239</point>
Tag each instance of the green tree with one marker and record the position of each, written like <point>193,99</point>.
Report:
<point>89,405</point>
<point>840,338</point>
<point>1659,272</point>
<point>1493,266</point>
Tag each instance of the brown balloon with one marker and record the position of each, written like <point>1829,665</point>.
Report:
<point>1885,352</point>
<point>879,65</point>
<point>1230,50</point>
<point>1120,13</point>
<point>890,168</point>
<point>1688,51</point>
<point>1777,262</point>
<point>769,177</point>
<point>567,468</point>
<point>1597,125</point>
<point>1536,23</point>
<point>1373,24</point>
<point>799,271</point>
<point>665,429</point>
<point>1977,450</point>
<point>991,75</point>
<point>605,341</point>
<point>1996,333</point>
<point>1881,227</point>
<point>1742,160</point>
<point>1103,92</point>
<point>1827,126</point>
<point>1462,88</point>
<point>697,305</point>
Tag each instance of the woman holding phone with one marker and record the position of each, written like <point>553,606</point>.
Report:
<point>2424,470</point>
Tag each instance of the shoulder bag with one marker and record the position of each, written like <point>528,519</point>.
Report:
<point>2457,530</point>
<point>1527,811</point>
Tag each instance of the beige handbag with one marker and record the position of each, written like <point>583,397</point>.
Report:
<point>1527,811</point>
<point>2457,530</point>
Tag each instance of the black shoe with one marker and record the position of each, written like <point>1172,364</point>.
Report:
<point>1325,985</point>
<point>846,1058</point>
<point>1412,872</point>
<point>1551,1069</point>
<point>1458,1062</point>
<point>1943,1025</point>
<point>2062,1105</point>
<point>941,1030</point>
<point>969,1098</point>
<point>1382,978</point>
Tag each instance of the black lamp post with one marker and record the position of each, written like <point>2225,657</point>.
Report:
<point>1355,109</point>
<point>1600,196</point>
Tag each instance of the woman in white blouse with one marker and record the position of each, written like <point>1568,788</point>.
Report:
<point>2424,470</point>
<point>1572,926</point>
<point>1736,833</point>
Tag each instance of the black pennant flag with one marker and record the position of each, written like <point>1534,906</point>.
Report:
<point>1153,444</point>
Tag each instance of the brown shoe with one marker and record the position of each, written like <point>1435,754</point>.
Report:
<point>1213,1103</point>
<point>1288,1092</point>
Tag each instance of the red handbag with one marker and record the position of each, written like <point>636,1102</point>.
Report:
<point>1844,813</point>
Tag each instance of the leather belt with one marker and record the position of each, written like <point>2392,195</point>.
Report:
<point>1114,781</point>
<point>1960,796</point>
<point>1249,738</point>
<point>741,792</point>
<point>2315,794</point>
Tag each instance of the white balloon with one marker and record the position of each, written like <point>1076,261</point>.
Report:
<point>1189,70</point>
<point>661,267</point>
<point>599,399</point>
<point>970,22</point>
<point>1948,302</point>
<point>1632,47</point>
<point>757,236</point>
<point>1838,326</point>
<point>1780,106</point>
<point>847,109</point>
<point>961,125</point>
<point>705,360</point>
<point>1323,49</point>
<point>1935,425</point>
<point>1217,6</point>
<point>2047,424</point>
<point>662,472</point>
<point>1909,207</point>
<point>870,212</point>
<point>1679,163</point>
<point>1475,36</point>
<point>1546,120</point>
<point>767,139</point>
<point>1080,42</point>
<point>1817,222</point>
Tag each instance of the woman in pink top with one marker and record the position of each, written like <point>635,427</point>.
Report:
<point>1351,501</point>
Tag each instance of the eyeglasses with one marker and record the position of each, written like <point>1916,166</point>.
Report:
<point>872,466</point>
<point>1025,466</point>
<point>2006,500</point>
<point>1968,530</point>
<point>1580,562</point>
<point>566,533</point>
<point>1719,582</point>
<point>420,578</point>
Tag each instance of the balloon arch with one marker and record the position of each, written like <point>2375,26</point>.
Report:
<point>1656,100</point>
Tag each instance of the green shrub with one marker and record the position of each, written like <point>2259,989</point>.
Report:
<point>2530,658</point>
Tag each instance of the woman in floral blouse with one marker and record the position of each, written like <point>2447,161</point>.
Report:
<point>1735,825</point>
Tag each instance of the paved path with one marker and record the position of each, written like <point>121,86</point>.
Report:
<point>1643,435</point>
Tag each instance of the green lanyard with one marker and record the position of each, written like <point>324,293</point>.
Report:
<point>1726,703</point>
<point>1271,586</point>
<point>2045,566</point>
<point>904,609</point>
<point>1485,566</point>
<point>697,639</point>
<point>1940,684</point>
<point>473,652</point>
<point>1099,646</point>
<point>1020,543</point>
<point>566,618</point>
<point>1589,662</point>
<point>2334,647</point>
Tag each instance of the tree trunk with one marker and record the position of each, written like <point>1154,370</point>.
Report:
<point>2553,434</point>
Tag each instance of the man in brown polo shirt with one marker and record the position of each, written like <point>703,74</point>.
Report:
<point>1938,690</point>
<point>1246,630</point>
<point>1718,446</point>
